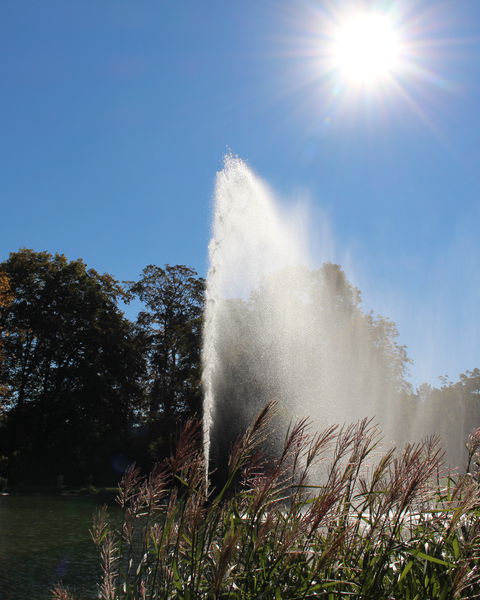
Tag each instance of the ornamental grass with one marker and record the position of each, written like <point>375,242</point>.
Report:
<point>373,526</point>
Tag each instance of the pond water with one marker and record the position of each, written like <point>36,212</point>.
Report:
<point>44,540</point>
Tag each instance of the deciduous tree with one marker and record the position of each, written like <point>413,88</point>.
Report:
<point>171,325</point>
<point>71,367</point>
<point>6,298</point>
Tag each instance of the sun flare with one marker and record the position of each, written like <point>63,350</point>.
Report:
<point>366,49</point>
<point>360,58</point>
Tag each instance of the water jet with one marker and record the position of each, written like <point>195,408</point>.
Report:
<point>276,329</point>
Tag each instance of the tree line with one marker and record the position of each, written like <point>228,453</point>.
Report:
<point>84,391</point>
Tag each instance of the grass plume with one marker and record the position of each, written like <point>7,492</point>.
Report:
<point>374,527</point>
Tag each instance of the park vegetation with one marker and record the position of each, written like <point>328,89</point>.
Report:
<point>91,396</point>
<point>85,392</point>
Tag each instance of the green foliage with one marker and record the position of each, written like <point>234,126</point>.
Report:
<point>6,298</point>
<point>171,328</point>
<point>452,411</point>
<point>83,390</point>
<point>72,365</point>
<point>374,527</point>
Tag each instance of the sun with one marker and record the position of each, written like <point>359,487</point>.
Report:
<point>366,49</point>
<point>368,58</point>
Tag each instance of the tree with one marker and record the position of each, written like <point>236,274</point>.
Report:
<point>470,384</point>
<point>6,298</point>
<point>72,368</point>
<point>171,325</point>
<point>302,339</point>
<point>451,411</point>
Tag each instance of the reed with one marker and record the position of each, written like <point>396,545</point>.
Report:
<point>378,527</point>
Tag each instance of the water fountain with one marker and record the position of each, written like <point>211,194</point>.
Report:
<point>277,330</point>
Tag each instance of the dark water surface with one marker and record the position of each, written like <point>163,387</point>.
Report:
<point>44,540</point>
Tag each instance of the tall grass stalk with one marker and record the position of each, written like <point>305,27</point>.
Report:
<point>376,527</point>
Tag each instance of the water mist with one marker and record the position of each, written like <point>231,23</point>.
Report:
<point>277,330</point>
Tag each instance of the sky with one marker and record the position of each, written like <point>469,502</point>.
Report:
<point>115,117</point>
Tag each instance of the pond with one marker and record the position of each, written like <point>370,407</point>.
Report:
<point>44,540</point>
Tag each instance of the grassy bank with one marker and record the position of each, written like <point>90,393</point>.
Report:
<point>378,527</point>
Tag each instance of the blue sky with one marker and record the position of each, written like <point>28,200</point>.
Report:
<point>115,116</point>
